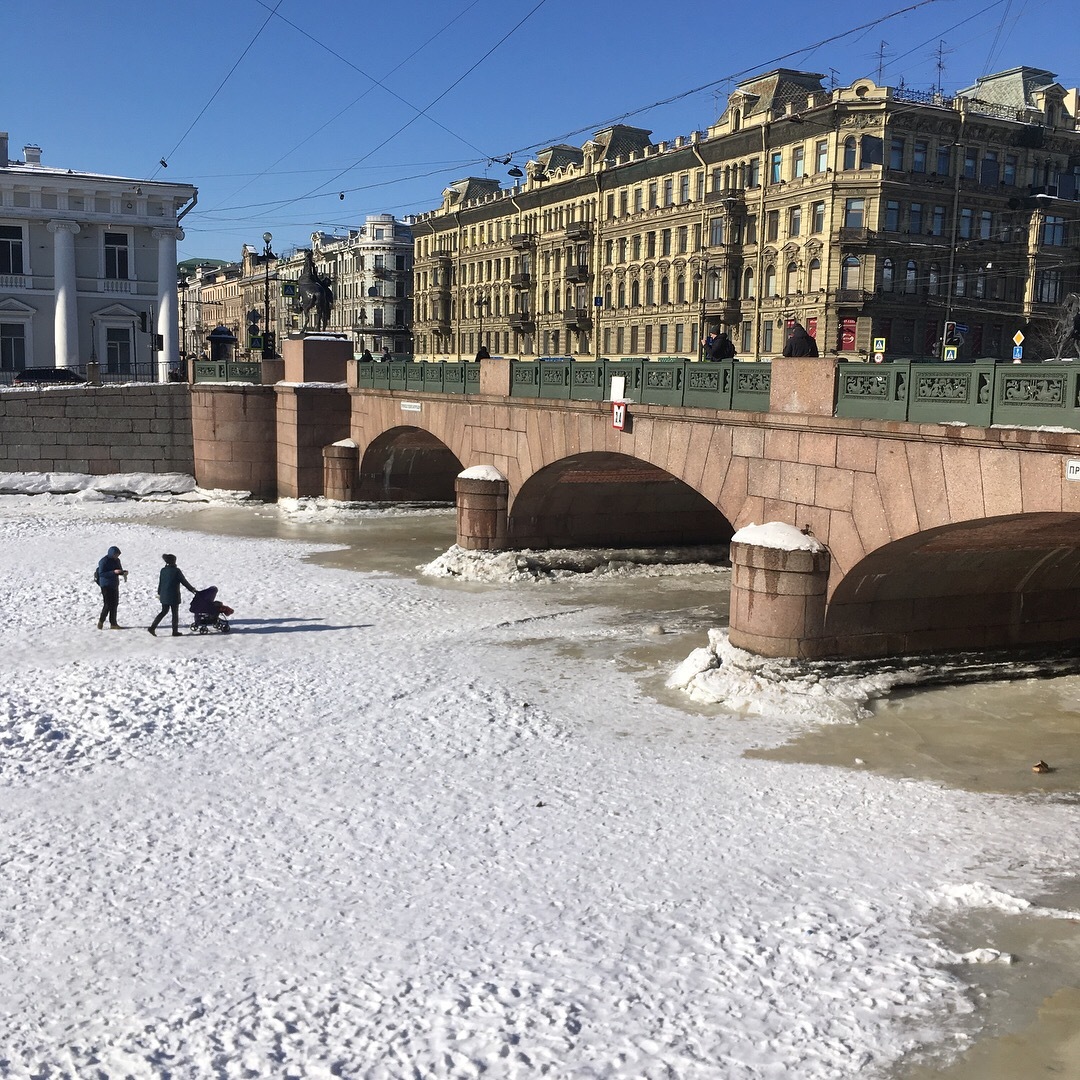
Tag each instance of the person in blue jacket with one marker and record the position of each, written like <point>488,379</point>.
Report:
<point>108,575</point>
<point>169,581</point>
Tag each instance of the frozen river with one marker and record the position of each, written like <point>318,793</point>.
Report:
<point>401,825</point>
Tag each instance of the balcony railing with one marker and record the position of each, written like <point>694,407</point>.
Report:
<point>579,230</point>
<point>520,241</point>
<point>579,272</point>
<point>521,281</point>
<point>519,320</point>
<point>578,317</point>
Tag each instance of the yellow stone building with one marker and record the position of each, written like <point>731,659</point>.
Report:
<point>863,212</point>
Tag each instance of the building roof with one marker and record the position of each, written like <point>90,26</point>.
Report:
<point>1015,88</point>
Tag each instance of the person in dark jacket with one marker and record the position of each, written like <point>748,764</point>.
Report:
<point>482,353</point>
<point>366,357</point>
<point>800,343</point>
<point>108,575</point>
<point>169,581</point>
<point>721,347</point>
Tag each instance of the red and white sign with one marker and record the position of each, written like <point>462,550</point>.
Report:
<point>618,415</point>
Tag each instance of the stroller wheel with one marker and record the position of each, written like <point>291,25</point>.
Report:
<point>203,629</point>
<point>223,626</point>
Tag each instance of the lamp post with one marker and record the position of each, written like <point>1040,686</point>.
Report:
<point>267,255</point>
<point>481,302</point>
<point>702,277</point>
<point>182,285</point>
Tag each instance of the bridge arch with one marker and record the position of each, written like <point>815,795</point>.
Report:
<point>1007,581</point>
<point>608,499</point>
<point>410,463</point>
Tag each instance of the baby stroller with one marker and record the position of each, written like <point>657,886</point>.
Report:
<point>209,612</point>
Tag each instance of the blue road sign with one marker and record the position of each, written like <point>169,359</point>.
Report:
<point>961,328</point>
<point>1018,352</point>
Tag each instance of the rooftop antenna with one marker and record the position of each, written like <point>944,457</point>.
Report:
<point>881,62</point>
<point>939,62</point>
<point>833,73</point>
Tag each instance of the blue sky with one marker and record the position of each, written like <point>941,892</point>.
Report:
<point>274,109</point>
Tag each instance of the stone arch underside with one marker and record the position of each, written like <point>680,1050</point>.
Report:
<point>604,499</point>
<point>1010,581</point>
<point>408,463</point>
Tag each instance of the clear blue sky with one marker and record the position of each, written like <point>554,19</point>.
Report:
<point>275,108</point>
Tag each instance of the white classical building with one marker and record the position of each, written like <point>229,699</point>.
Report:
<point>87,269</point>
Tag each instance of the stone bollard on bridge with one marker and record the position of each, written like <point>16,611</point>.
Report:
<point>341,471</point>
<point>483,495</point>
<point>779,582</point>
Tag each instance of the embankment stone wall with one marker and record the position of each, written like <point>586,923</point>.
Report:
<point>98,430</point>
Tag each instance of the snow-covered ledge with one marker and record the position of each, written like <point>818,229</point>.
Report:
<point>483,494</point>
<point>779,581</point>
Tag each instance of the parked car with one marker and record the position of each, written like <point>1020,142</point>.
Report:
<point>48,376</point>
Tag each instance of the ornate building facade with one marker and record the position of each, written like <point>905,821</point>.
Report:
<point>87,269</point>
<point>863,212</point>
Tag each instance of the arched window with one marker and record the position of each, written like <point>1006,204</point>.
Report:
<point>748,284</point>
<point>680,290</point>
<point>849,152</point>
<point>736,120</point>
<point>635,293</point>
<point>770,281</point>
<point>665,290</point>
<point>851,273</point>
<point>622,294</point>
<point>813,283</point>
<point>961,281</point>
<point>911,277</point>
<point>713,288</point>
<point>650,292</point>
<point>791,282</point>
<point>887,276</point>
<point>933,281</point>
<point>607,295</point>
<point>980,282</point>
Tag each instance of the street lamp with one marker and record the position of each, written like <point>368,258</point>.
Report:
<point>267,341</point>
<point>702,277</point>
<point>481,302</point>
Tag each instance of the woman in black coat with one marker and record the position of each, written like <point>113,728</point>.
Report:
<point>169,581</point>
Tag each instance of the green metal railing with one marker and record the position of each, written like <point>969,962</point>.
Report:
<point>210,371</point>
<point>675,381</point>
<point>981,394</point>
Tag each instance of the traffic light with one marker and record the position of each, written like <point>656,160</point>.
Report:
<point>949,337</point>
<point>142,321</point>
<point>270,344</point>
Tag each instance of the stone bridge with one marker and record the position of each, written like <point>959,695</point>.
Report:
<point>937,536</point>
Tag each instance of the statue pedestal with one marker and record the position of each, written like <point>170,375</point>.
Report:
<point>316,358</point>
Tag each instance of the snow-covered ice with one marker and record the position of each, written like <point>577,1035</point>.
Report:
<point>389,828</point>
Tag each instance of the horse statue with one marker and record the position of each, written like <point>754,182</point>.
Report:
<point>1068,326</point>
<point>313,294</point>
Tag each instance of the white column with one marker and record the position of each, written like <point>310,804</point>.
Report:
<point>168,323</point>
<point>66,318</point>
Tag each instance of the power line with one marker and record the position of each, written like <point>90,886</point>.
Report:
<point>164,160</point>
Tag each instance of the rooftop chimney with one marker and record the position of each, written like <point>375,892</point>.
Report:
<point>32,155</point>
<point>3,149</point>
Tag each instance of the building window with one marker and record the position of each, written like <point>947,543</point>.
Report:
<point>772,225</point>
<point>849,152</point>
<point>892,216</point>
<point>770,281</point>
<point>821,155</point>
<point>967,216</point>
<point>748,285</point>
<point>669,191</point>
<point>665,243</point>
<point>944,160</point>
<point>1048,287</point>
<point>853,213</point>
<point>887,276</point>
<point>665,290</point>
<point>915,219</point>
<point>11,249</point>
<point>684,188</point>
<point>767,336</point>
<point>817,215</point>
<point>813,281</point>
<point>791,279</point>
<point>851,274</point>
<point>682,240</point>
<point>918,156</point>
<point>1054,231</point>
<point>798,163</point>
<point>896,153</point>
<point>635,248</point>
<point>933,281</point>
<point>988,174</point>
<point>794,221</point>
<point>937,227</point>
<point>1009,174</point>
<point>960,285</point>
<point>652,195</point>
<point>650,245</point>
<point>751,229</point>
<point>639,197</point>
<point>663,342</point>
<point>971,163</point>
<point>986,224</point>
<point>716,231</point>
<point>776,162</point>
<point>118,350</point>
<point>754,179</point>
<point>12,346</point>
<point>116,256</point>
<point>747,337</point>
<point>911,277</point>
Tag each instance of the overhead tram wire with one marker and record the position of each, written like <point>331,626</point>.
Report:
<point>374,83</point>
<point>164,160</point>
<point>517,26</point>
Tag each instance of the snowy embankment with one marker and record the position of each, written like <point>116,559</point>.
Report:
<point>387,830</point>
